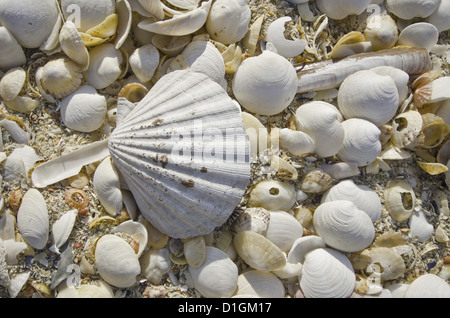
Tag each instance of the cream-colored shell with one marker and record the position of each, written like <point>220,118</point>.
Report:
<point>171,45</point>
<point>106,184</point>
<point>144,62</point>
<point>343,226</point>
<point>11,52</point>
<point>265,84</point>
<point>296,142</point>
<point>399,199</point>
<point>406,128</point>
<point>33,219</point>
<point>257,134</point>
<point>90,13</point>
<point>327,273</point>
<point>252,219</point>
<point>73,46</point>
<point>137,231</point>
<point>322,122</point>
<point>29,21</point>
<point>361,143</point>
<point>116,262</point>
<point>303,246</point>
<point>381,31</point>
<point>316,181</point>
<point>368,95</point>
<point>84,110</point>
<point>340,9</point>
<point>155,263</point>
<point>92,289</point>
<point>217,277</point>
<point>12,82</point>
<point>272,195</point>
<point>428,286</point>
<point>385,263</point>
<point>258,252</point>
<point>228,20</point>
<point>408,9</point>
<point>260,284</point>
<point>362,196</point>
<point>441,16</point>
<point>19,163</point>
<point>283,230</point>
<point>420,34</point>
<point>194,251</point>
<point>284,47</point>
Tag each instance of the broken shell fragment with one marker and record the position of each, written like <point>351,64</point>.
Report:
<point>73,46</point>
<point>283,46</point>
<point>432,92</point>
<point>399,199</point>
<point>406,127</point>
<point>137,231</point>
<point>385,263</point>
<point>62,228</point>
<point>91,13</point>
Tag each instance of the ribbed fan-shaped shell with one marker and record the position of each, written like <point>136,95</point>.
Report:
<point>184,186</point>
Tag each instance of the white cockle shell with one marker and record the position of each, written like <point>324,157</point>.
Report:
<point>228,20</point>
<point>116,261</point>
<point>323,122</point>
<point>440,18</point>
<point>283,46</point>
<point>11,52</point>
<point>368,95</point>
<point>399,199</point>
<point>62,228</point>
<point>283,229</point>
<point>428,286</point>
<point>33,219</point>
<point>144,61</point>
<point>104,65</point>
<point>217,277</point>
<point>272,195</point>
<point>420,34</point>
<point>408,9</point>
<point>361,143</point>
<point>180,193</point>
<point>88,14</point>
<point>260,284</point>
<point>265,84</point>
<point>29,21</point>
<point>362,196</point>
<point>327,273</point>
<point>296,142</point>
<point>84,110</point>
<point>343,226</point>
<point>106,184</point>
<point>340,9</point>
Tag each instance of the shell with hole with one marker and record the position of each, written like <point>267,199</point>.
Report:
<point>84,110</point>
<point>272,195</point>
<point>399,199</point>
<point>327,273</point>
<point>406,127</point>
<point>33,219</point>
<point>343,226</point>
<point>265,84</point>
<point>191,195</point>
<point>116,261</point>
<point>408,9</point>
<point>339,10</point>
<point>228,20</point>
<point>361,143</point>
<point>365,198</point>
<point>30,22</point>
<point>217,277</point>
<point>323,123</point>
<point>385,263</point>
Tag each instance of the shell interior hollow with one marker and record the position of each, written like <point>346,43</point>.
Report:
<point>184,154</point>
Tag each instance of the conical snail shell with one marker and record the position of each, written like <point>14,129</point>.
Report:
<point>181,194</point>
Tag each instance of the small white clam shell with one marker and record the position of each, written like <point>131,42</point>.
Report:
<point>11,52</point>
<point>260,284</point>
<point>144,61</point>
<point>322,122</point>
<point>252,219</point>
<point>327,273</point>
<point>265,84</point>
<point>303,246</point>
<point>362,196</point>
<point>420,34</point>
<point>343,226</point>
<point>408,9</point>
<point>19,162</point>
<point>116,262</point>
<point>283,230</point>
<point>90,13</point>
<point>428,286</point>
<point>194,250</point>
<point>29,21</point>
<point>104,66</point>
<point>272,195</point>
<point>381,31</point>
<point>62,228</point>
<point>136,230</point>
<point>12,82</point>
<point>340,9</point>
<point>155,264</point>
<point>399,199</point>
<point>361,143</point>
<point>283,46</point>
<point>33,219</point>
<point>441,16</point>
<point>258,252</point>
<point>379,102</point>
<point>296,142</point>
<point>421,229</point>
<point>106,184</point>
<point>228,20</point>
<point>72,45</point>
<point>217,276</point>
<point>84,110</point>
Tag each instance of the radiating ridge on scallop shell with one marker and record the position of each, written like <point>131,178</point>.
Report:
<point>184,154</point>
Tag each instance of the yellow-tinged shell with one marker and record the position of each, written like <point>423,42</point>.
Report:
<point>432,168</point>
<point>12,82</point>
<point>133,92</point>
<point>195,251</point>
<point>399,199</point>
<point>385,262</point>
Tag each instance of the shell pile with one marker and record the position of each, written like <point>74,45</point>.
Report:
<point>224,148</point>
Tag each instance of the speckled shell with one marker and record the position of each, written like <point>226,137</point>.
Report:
<point>33,219</point>
<point>343,226</point>
<point>340,9</point>
<point>327,273</point>
<point>181,194</point>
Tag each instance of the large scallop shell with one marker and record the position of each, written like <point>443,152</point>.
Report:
<point>327,273</point>
<point>184,186</point>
